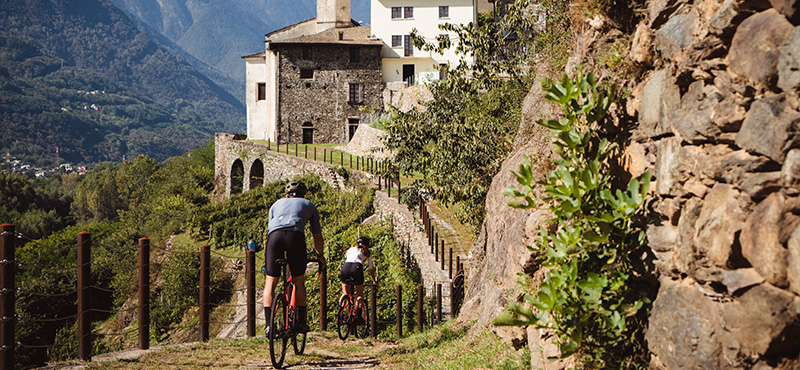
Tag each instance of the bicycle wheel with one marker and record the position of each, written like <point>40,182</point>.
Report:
<point>343,318</point>
<point>362,331</point>
<point>279,335</point>
<point>298,339</point>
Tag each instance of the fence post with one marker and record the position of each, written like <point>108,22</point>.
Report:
<point>373,311</point>
<point>341,159</point>
<point>84,296</point>
<point>458,263</point>
<point>323,298</point>
<point>430,236</point>
<point>420,297</point>
<point>306,150</point>
<point>436,246</point>
<point>8,314</point>
<point>442,265</point>
<point>450,265</point>
<point>452,301</point>
<point>205,261</point>
<point>144,293</point>
<point>287,147</point>
<point>399,311</point>
<point>439,303</point>
<point>296,152</point>
<point>325,155</point>
<point>315,153</point>
<point>250,271</point>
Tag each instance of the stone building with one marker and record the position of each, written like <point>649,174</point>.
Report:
<point>313,79</point>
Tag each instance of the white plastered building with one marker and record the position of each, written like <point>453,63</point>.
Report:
<point>393,20</point>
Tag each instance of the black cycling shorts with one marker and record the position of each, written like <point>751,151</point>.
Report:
<point>289,244</point>
<point>352,270</point>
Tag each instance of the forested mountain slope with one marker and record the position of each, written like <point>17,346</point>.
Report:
<point>77,74</point>
<point>218,32</point>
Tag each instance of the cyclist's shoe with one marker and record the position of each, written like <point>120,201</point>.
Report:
<point>266,332</point>
<point>301,327</point>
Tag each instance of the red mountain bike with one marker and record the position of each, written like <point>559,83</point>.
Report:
<point>283,321</point>
<point>348,319</point>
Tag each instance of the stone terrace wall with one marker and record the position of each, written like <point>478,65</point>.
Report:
<point>229,147</point>
<point>719,127</point>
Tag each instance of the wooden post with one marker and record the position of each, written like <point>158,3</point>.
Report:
<point>450,265</point>
<point>250,272</point>
<point>399,311</point>
<point>296,152</point>
<point>439,303</point>
<point>8,313</point>
<point>323,298</point>
<point>420,297</point>
<point>144,293</point>
<point>315,153</point>
<point>306,150</point>
<point>373,311</point>
<point>205,262</point>
<point>436,246</point>
<point>452,301</point>
<point>442,261</point>
<point>84,296</point>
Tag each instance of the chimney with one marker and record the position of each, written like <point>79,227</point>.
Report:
<point>332,14</point>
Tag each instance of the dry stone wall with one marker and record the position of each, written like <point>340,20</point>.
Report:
<point>719,127</point>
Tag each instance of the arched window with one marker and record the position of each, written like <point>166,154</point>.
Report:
<point>237,177</point>
<point>256,174</point>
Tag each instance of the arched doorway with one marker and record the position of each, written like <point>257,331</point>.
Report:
<point>256,174</point>
<point>308,133</point>
<point>237,177</point>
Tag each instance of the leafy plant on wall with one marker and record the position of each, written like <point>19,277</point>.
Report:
<point>591,296</point>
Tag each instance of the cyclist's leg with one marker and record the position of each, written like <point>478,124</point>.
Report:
<point>360,301</point>
<point>296,255</point>
<point>274,250</point>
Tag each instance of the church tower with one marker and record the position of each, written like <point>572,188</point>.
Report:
<point>332,14</point>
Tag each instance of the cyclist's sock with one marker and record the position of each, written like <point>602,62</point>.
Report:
<point>268,318</point>
<point>302,319</point>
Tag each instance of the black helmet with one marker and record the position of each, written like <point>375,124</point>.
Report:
<point>363,240</point>
<point>296,188</point>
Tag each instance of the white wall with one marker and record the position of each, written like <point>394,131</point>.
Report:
<point>426,20</point>
<point>261,115</point>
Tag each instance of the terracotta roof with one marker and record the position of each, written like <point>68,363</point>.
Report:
<point>351,36</point>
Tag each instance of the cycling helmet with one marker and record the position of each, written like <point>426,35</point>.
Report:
<point>363,240</point>
<point>296,188</point>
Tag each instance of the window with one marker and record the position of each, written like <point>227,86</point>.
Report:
<point>306,73</point>
<point>355,54</point>
<point>307,54</point>
<point>354,95</point>
<point>397,41</point>
<point>397,12</point>
<point>408,46</point>
<point>408,12</point>
<point>444,11</point>
<point>261,91</point>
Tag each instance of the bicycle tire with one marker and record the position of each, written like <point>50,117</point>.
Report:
<point>278,332</point>
<point>299,343</point>
<point>362,331</point>
<point>343,318</point>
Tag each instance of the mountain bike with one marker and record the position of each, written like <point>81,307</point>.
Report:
<point>348,319</point>
<point>282,328</point>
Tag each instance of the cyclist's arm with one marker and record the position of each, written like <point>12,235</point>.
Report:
<point>319,245</point>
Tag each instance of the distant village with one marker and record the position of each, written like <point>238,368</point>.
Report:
<point>12,165</point>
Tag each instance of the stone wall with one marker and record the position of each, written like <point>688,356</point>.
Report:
<point>229,148</point>
<point>719,128</point>
<point>327,92</point>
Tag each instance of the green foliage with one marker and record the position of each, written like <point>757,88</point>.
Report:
<point>591,296</point>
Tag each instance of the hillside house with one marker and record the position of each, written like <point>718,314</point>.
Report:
<point>392,22</point>
<point>313,78</point>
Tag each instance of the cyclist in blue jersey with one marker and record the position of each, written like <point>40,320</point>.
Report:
<point>286,236</point>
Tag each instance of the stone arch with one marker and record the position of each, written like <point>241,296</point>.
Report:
<point>237,177</point>
<point>256,174</point>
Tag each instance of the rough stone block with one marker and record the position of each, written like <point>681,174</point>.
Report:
<point>684,329</point>
<point>756,46</point>
<point>793,270</point>
<point>760,240</point>
<point>686,255</point>
<point>692,120</point>
<point>734,166</point>
<point>679,33</point>
<point>764,321</point>
<point>659,96</point>
<point>761,184</point>
<point>770,128</point>
<point>789,62</point>
<point>668,179</point>
<point>790,172</point>
<point>789,8</point>
<point>721,217</point>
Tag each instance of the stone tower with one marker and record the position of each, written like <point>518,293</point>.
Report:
<point>332,14</point>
